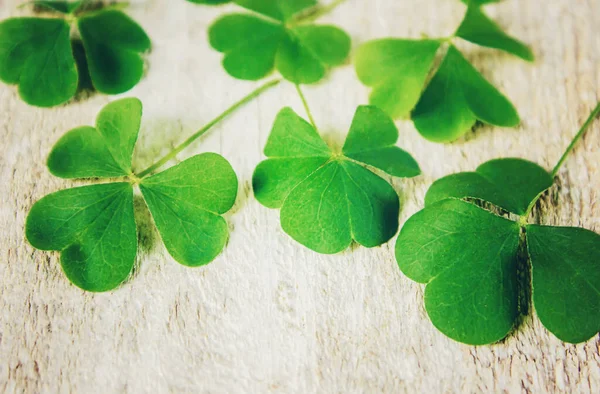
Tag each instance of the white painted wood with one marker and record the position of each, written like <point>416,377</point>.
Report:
<point>269,315</point>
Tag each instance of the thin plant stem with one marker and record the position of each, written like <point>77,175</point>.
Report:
<point>202,131</point>
<point>593,115</point>
<point>306,108</point>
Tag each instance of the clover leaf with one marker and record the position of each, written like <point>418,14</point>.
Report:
<point>510,184</point>
<point>479,29</point>
<point>468,257</point>
<point>255,44</point>
<point>456,97</point>
<point>36,53</point>
<point>329,199</point>
<point>94,227</point>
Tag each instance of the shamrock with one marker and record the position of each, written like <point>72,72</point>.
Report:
<point>468,257</point>
<point>93,227</point>
<point>457,95</point>
<point>328,199</point>
<point>273,37</point>
<point>37,53</point>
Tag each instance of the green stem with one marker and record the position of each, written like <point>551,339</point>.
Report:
<point>316,12</point>
<point>593,115</point>
<point>202,131</point>
<point>305,103</point>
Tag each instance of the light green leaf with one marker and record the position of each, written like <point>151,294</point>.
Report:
<point>186,202</point>
<point>36,54</point>
<point>114,45</point>
<point>372,139</point>
<point>467,257</point>
<point>104,151</point>
<point>456,97</point>
<point>340,202</point>
<point>397,71</point>
<point>292,136</point>
<point>326,199</point>
<point>511,184</point>
<point>94,229</point>
<point>477,28</point>
<point>566,280</point>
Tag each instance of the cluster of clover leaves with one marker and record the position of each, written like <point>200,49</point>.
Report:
<point>77,46</point>
<point>466,244</point>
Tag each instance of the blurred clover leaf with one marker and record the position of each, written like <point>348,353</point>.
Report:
<point>93,227</point>
<point>329,199</point>
<point>276,35</point>
<point>468,255</point>
<point>457,96</point>
<point>37,53</point>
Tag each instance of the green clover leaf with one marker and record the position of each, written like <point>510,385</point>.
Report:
<point>468,257</point>
<point>114,44</point>
<point>397,70</point>
<point>187,201</point>
<point>479,29</point>
<point>457,95</point>
<point>327,200</point>
<point>255,44</point>
<point>36,53</point>
<point>94,227</point>
<point>456,98</point>
<point>511,184</point>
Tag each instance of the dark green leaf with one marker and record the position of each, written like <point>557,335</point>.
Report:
<point>104,151</point>
<point>36,54</point>
<point>511,184</point>
<point>94,229</point>
<point>467,257</point>
<point>456,97</point>
<point>566,280</point>
<point>114,44</point>
<point>372,139</point>
<point>397,71</point>
<point>186,202</point>
<point>479,29</point>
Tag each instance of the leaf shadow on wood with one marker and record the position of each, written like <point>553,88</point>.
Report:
<point>148,236</point>
<point>157,138</point>
<point>85,87</point>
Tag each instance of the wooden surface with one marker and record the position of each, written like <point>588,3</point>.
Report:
<point>269,315</point>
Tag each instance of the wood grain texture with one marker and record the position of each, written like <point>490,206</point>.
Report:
<point>269,315</point>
